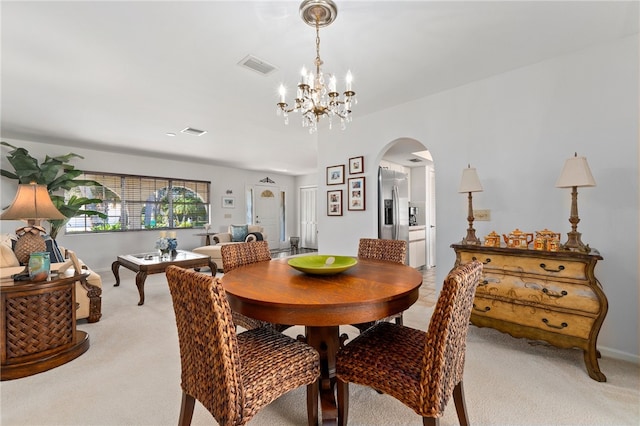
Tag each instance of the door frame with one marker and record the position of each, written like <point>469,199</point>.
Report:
<point>281,192</point>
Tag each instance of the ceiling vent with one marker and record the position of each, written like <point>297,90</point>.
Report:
<point>257,65</point>
<point>415,160</point>
<point>192,131</point>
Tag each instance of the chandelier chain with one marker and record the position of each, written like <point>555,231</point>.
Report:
<point>318,60</point>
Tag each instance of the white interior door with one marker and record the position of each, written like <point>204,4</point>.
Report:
<point>308,217</point>
<point>266,201</point>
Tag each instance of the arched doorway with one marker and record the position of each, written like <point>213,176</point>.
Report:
<point>411,157</point>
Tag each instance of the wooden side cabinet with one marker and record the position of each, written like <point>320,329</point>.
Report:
<point>540,295</point>
<point>38,326</point>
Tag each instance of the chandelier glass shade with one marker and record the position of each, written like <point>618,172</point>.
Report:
<point>316,94</point>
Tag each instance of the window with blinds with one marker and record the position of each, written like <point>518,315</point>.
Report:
<point>133,203</point>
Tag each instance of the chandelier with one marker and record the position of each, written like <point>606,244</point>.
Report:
<point>317,95</point>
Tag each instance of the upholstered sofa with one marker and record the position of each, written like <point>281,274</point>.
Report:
<point>88,293</point>
<point>236,234</point>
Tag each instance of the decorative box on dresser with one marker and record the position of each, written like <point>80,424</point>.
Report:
<point>540,295</point>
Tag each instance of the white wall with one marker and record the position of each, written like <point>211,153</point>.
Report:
<point>100,250</point>
<point>517,129</point>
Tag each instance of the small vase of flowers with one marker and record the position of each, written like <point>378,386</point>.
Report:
<point>167,247</point>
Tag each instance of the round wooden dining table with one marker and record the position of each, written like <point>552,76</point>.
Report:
<point>275,292</point>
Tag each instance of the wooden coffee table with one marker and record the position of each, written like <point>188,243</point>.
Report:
<point>144,264</point>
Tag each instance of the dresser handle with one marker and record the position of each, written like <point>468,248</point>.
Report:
<point>560,268</point>
<point>486,308</point>
<point>553,293</point>
<point>559,327</point>
<point>485,262</point>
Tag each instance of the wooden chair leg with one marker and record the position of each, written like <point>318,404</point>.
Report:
<point>343,401</point>
<point>186,409</point>
<point>431,421</point>
<point>399,320</point>
<point>312,404</point>
<point>461,407</point>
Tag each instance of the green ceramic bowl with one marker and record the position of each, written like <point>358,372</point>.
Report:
<point>317,264</point>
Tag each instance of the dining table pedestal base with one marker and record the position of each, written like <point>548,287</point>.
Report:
<point>326,340</point>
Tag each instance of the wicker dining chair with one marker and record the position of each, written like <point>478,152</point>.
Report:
<point>387,250</point>
<point>233,375</point>
<point>420,369</point>
<point>241,254</point>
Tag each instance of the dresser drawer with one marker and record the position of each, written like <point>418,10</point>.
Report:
<point>553,268</point>
<point>531,316</point>
<point>539,291</point>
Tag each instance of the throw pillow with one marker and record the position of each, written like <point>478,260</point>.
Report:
<point>55,255</point>
<point>254,236</point>
<point>8,258</point>
<point>54,251</point>
<point>239,233</point>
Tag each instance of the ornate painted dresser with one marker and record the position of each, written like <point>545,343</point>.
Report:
<point>540,295</point>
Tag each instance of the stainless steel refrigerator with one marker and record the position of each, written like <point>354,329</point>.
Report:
<point>393,206</point>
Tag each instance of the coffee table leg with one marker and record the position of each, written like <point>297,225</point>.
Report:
<point>213,267</point>
<point>115,268</point>
<point>140,278</point>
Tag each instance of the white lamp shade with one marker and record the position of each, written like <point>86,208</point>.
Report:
<point>32,202</point>
<point>575,172</point>
<point>470,181</point>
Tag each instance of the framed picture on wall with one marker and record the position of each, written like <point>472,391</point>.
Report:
<point>335,175</point>
<point>334,203</point>
<point>355,194</point>
<point>356,165</point>
<point>228,202</point>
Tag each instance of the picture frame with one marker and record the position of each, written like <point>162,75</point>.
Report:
<point>356,165</point>
<point>334,202</point>
<point>356,194</point>
<point>228,202</point>
<point>335,175</point>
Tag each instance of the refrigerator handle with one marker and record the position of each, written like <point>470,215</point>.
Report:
<point>396,217</point>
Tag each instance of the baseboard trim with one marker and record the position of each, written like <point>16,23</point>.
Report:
<point>616,354</point>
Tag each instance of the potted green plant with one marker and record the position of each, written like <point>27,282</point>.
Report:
<point>58,174</point>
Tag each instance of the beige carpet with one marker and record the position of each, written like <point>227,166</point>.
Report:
<point>131,373</point>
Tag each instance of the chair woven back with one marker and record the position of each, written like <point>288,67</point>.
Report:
<point>446,340</point>
<point>378,249</point>
<point>240,254</point>
<point>208,343</point>
<point>387,250</point>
